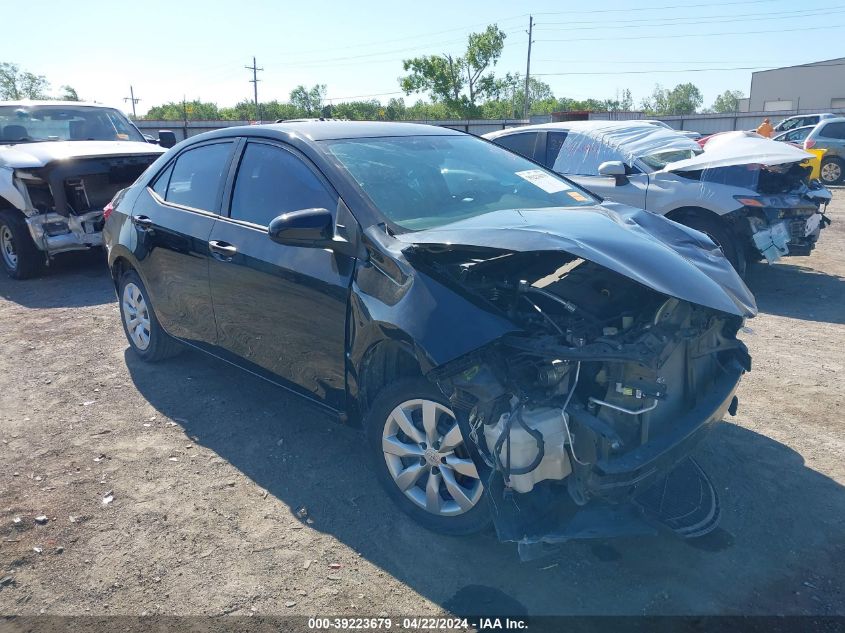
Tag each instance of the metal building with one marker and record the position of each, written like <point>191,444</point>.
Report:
<point>819,86</point>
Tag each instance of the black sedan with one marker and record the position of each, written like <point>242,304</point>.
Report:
<point>513,349</point>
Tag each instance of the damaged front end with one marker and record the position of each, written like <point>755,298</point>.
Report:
<point>582,420</point>
<point>63,201</point>
<point>779,210</point>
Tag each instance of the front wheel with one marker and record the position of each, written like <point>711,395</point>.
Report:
<point>422,461</point>
<point>724,237</point>
<point>20,256</point>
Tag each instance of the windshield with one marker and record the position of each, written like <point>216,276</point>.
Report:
<point>659,160</point>
<point>26,124</point>
<point>420,182</point>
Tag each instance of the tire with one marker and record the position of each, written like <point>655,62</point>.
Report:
<point>412,457</point>
<point>832,171</point>
<point>19,255</point>
<point>717,230</point>
<point>145,335</point>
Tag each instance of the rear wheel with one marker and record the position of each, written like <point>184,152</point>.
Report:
<point>725,238</point>
<point>832,171</point>
<point>146,337</point>
<point>20,257</point>
<point>422,461</point>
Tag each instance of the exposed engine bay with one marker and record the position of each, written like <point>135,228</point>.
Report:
<point>602,393</point>
<point>64,200</point>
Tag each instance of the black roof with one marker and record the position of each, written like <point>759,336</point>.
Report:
<point>326,130</point>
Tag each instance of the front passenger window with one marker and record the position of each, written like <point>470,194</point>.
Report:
<point>272,181</point>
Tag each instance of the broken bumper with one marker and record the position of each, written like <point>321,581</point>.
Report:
<point>55,233</point>
<point>627,494</point>
<point>616,478</point>
<point>788,236</point>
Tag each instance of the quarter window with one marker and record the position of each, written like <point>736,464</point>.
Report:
<point>197,176</point>
<point>522,144</point>
<point>554,141</point>
<point>272,181</point>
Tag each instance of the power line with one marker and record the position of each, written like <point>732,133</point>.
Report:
<point>662,7</point>
<point>677,70</point>
<point>704,19</point>
<point>674,36</point>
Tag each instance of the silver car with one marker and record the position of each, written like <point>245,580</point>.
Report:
<point>749,194</point>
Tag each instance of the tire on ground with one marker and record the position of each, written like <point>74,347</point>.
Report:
<point>161,345</point>
<point>834,169</point>
<point>472,521</point>
<point>29,259</point>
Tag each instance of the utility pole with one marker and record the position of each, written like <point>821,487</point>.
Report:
<point>132,98</point>
<point>528,66</point>
<point>184,117</point>
<point>254,81</point>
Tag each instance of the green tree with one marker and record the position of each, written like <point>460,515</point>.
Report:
<point>17,84</point>
<point>728,101</point>
<point>191,110</point>
<point>509,97</point>
<point>309,102</point>
<point>69,94</point>
<point>459,82</point>
<point>682,99</point>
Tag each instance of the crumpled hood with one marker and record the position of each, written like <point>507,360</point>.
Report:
<point>649,249</point>
<point>740,148</point>
<point>33,155</point>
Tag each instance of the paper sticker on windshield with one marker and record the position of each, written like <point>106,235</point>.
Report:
<point>546,182</point>
<point>577,196</point>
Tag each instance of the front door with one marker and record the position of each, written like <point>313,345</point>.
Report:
<point>281,309</point>
<point>172,220</point>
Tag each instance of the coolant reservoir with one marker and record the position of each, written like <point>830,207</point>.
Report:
<point>523,449</point>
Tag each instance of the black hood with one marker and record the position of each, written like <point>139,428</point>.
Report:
<point>658,253</point>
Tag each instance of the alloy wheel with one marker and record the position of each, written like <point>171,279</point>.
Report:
<point>7,247</point>
<point>426,456</point>
<point>831,172</point>
<point>136,316</point>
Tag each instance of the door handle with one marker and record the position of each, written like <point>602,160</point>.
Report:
<point>222,250</point>
<point>142,222</point>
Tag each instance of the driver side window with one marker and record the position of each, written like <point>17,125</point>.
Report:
<point>272,181</point>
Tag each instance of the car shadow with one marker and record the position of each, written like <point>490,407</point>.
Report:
<point>798,292</point>
<point>780,518</point>
<point>72,280</point>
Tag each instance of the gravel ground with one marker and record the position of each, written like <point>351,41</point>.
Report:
<point>190,487</point>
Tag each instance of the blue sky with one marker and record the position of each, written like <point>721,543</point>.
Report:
<point>170,49</point>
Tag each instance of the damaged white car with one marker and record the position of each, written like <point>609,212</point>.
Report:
<point>60,164</point>
<point>749,194</point>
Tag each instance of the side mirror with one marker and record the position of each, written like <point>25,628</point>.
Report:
<point>615,168</point>
<point>166,138</point>
<point>307,227</point>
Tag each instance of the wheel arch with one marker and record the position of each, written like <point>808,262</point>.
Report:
<point>385,361</point>
<point>678,215</point>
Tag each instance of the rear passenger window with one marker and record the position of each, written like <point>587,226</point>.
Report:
<point>833,130</point>
<point>554,141</point>
<point>522,144</point>
<point>272,181</point>
<point>197,176</point>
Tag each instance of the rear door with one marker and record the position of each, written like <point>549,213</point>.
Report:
<point>578,157</point>
<point>172,220</point>
<point>280,309</point>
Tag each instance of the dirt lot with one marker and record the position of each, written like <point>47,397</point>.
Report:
<point>206,468</point>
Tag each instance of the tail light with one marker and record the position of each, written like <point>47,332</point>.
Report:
<point>107,210</point>
<point>809,143</point>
